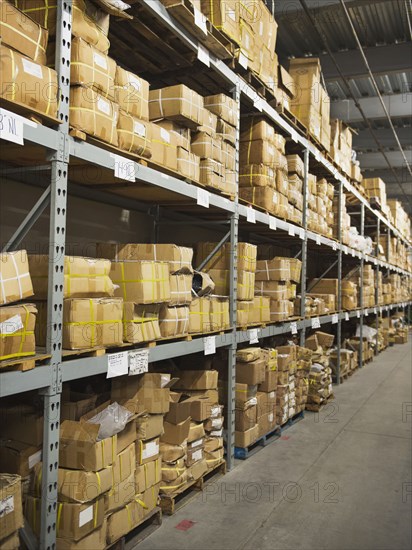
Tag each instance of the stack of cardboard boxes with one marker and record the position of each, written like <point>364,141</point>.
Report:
<point>277,279</point>
<point>368,288</point>
<point>345,220</point>
<point>11,517</point>
<point>286,387</point>
<point>399,218</point>
<point>92,315</point>
<point>320,375</point>
<point>320,214</point>
<point>330,287</point>
<point>256,383</point>
<point>311,104</point>
<point>303,364</point>
<point>251,309</point>
<point>17,322</point>
<point>23,60</point>
<point>341,146</point>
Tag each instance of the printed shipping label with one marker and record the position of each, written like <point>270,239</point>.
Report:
<point>85,516</point>
<point>6,506</point>
<point>99,60</point>
<point>103,106</point>
<point>12,325</point>
<point>135,82</point>
<point>151,449</point>
<point>139,129</point>
<point>32,68</point>
<point>197,455</point>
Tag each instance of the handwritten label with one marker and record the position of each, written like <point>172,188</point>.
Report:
<point>203,197</point>
<point>318,239</point>
<point>117,364</point>
<point>250,215</point>
<point>203,55</point>
<point>124,169</point>
<point>200,20</point>
<point>294,328</point>
<point>291,230</point>
<point>315,323</point>
<point>11,127</point>
<point>138,361</point>
<point>346,316</point>
<point>335,319</point>
<point>253,336</point>
<point>210,345</point>
<point>272,223</point>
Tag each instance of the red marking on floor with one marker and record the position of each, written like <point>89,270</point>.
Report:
<point>185,525</point>
<point>285,437</point>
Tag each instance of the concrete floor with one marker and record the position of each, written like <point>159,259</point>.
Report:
<point>339,479</point>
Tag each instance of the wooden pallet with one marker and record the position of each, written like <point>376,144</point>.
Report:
<point>28,112</point>
<point>171,503</point>
<point>24,364</point>
<point>292,421</point>
<point>242,453</point>
<point>145,528</point>
<point>316,407</point>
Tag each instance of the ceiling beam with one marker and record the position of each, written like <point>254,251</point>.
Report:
<point>377,160</point>
<point>363,140</point>
<point>398,105</point>
<point>283,7</point>
<point>394,58</point>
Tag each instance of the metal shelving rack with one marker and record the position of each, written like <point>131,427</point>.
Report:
<point>48,379</point>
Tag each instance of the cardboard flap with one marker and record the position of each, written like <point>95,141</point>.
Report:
<point>111,7</point>
<point>287,81</point>
<point>86,417</point>
<point>171,383</point>
<point>80,431</point>
<point>174,396</point>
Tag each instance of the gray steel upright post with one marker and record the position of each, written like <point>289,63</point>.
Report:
<point>304,246</point>
<point>57,239</point>
<point>234,228</point>
<point>362,265</point>
<point>339,327</point>
<point>378,235</point>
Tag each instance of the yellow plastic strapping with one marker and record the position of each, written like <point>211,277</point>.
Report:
<point>59,515</point>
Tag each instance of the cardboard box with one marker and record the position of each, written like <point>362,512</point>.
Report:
<point>181,134</point>
<point>17,331</point>
<point>94,114</point>
<point>244,394</point>
<point>126,437</point>
<point>21,33</point>
<point>79,485</point>
<point>222,106</point>
<point>270,382</point>
<point>121,494</point>
<point>257,175</point>
<point>83,277</point>
<point>124,520</point>
<point>259,312</point>
<point>280,310</point>
<point>124,463</point>
<point>196,432</point>
<point>180,289</point>
<point>277,269</point>
<point>225,17</point>
<point>188,164</point>
<point>173,321</point>
<point>11,542</point>
<point>251,373</point>
<point>141,282</point>
<point>80,449</point>
<point>247,254</point>
<point>175,434</point>
<point>246,438</point>
<point>91,68</point>
<point>146,451</point>
<point>22,423</point>
<point>75,520</point>
<point>164,148</point>
<point>178,258</point>
<point>207,147</point>
<point>226,131</point>
<point>150,498</point>
<point>258,128</point>
<point>267,198</point>
<point>134,135</point>
<point>92,26</point>
<point>131,93</point>
<point>11,518</point>
<point>245,419</point>
<point>197,380</point>
<point>150,425</point>
<point>148,474</point>
<point>246,282</point>
<point>140,399</point>
<point>262,152</point>
<point>140,323</point>
<point>249,354</point>
<point>178,103</point>
<point>194,455</point>
<point>15,276</point>
<point>277,290</point>
<point>96,540</point>
<point>91,322</point>
<point>18,458</point>
<point>26,82</point>
<point>75,405</point>
<point>172,453</point>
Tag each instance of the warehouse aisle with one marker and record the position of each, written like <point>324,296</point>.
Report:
<point>340,479</point>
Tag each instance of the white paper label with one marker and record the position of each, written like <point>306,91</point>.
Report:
<point>165,135</point>
<point>34,459</point>
<point>358,314</point>
<point>32,68</point>
<point>346,316</point>
<point>85,516</point>
<point>250,215</point>
<point>243,61</point>
<point>302,234</point>
<point>150,449</point>
<point>117,364</point>
<point>203,55</point>
<point>197,455</point>
<point>272,223</point>
<point>200,20</point>
<point>203,197</point>
<point>135,82</point>
<point>318,239</point>
<point>275,197</point>
<point>138,361</point>
<point>272,395</point>
<point>124,169</point>
<point>210,345</point>
<point>353,253</point>
<point>6,506</point>
<point>375,311</point>
<point>231,14</point>
<point>345,249</point>
<point>99,60</point>
<point>366,313</point>
<point>12,325</point>
<point>11,127</point>
<point>294,136</point>
<point>196,443</point>
<point>294,328</point>
<point>315,322</point>
<point>291,231</point>
<point>103,106</point>
<point>215,411</point>
<point>139,128</point>
<point>253,336</point>
<point>335,319</point>
<point>270,417</point>
<point>334,245</point>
